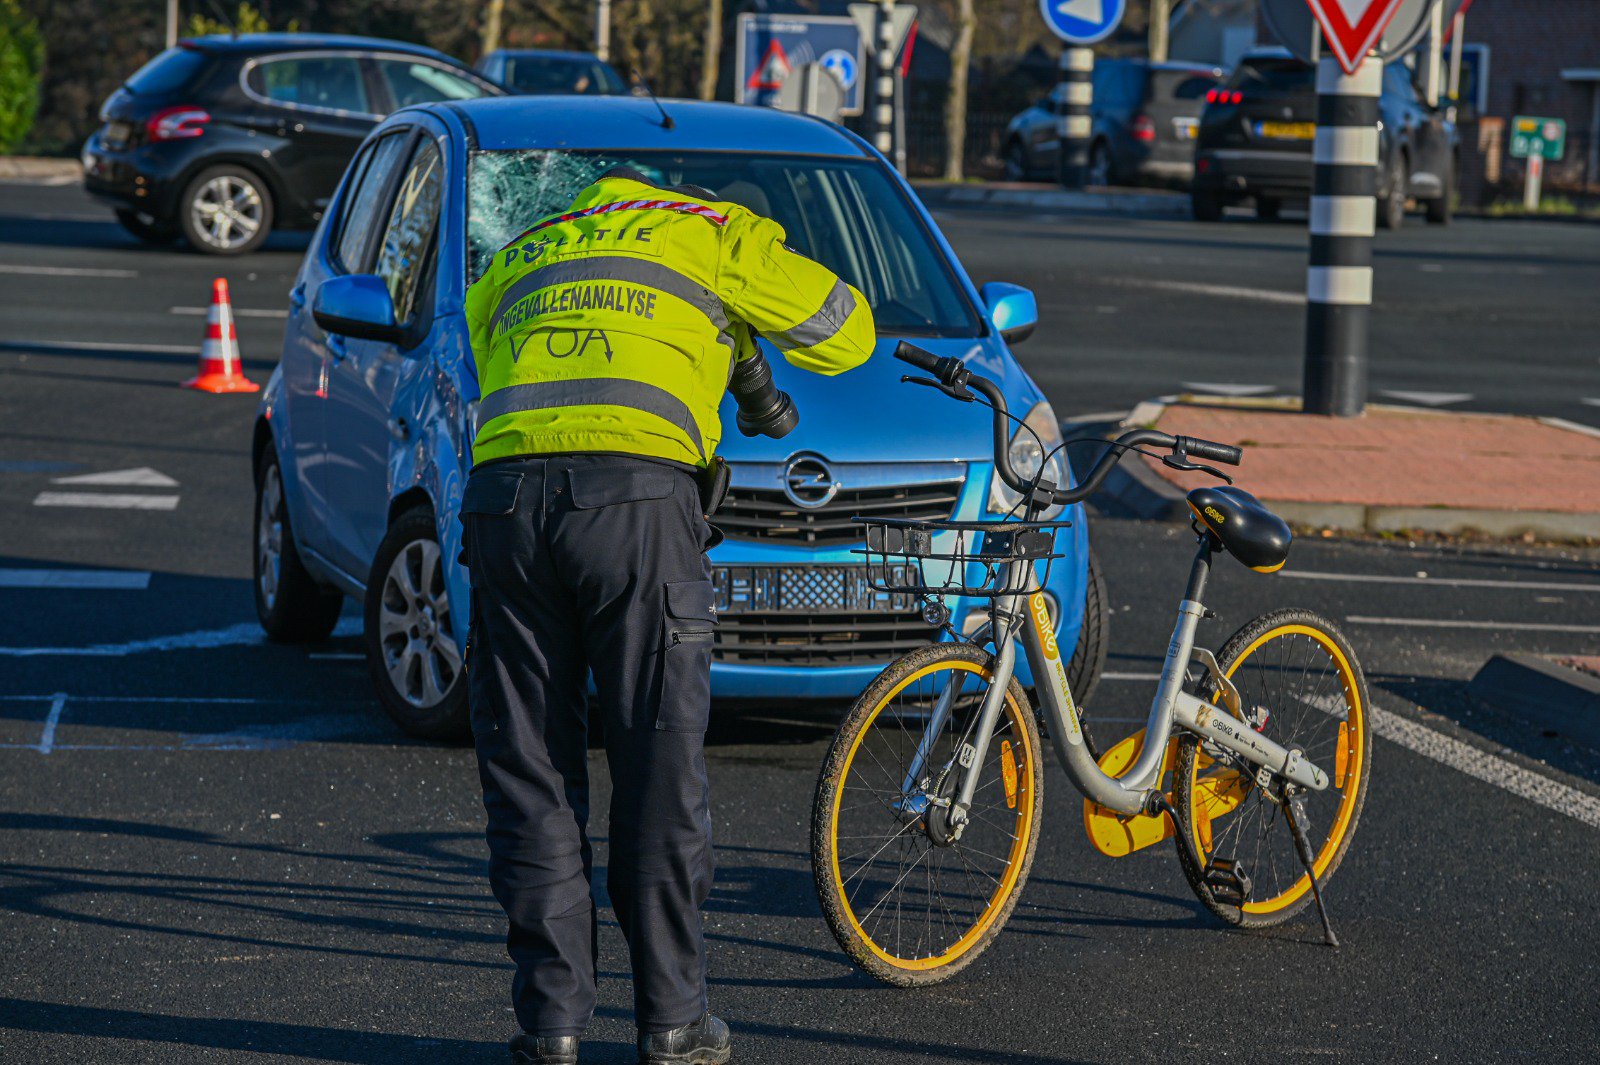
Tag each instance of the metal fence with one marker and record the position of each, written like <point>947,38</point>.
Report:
<point>925,143</point>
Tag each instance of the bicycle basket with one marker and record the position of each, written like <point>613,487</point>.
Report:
<point>959,558</point>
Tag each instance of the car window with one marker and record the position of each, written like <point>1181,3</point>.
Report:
<point>172,70</point>
<point>545,74</point>
<point>413,82</point>
<point>331,82</point>
<point>844,213</point>
<point>408,238</point>
<point>362,200</point>
<point>1267,75</point>
<point>1176,86</point>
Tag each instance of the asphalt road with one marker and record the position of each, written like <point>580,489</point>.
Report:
<point>215,849</point>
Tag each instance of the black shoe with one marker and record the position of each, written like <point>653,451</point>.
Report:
<point>705,1042</point>
<point>544,1050</point>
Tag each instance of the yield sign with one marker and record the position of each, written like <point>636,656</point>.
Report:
<point>771,72</point>
<point>1353,27</point>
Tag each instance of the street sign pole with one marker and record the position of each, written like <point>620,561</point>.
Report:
<point>602,30</point>
<point>1344,186</point>
<point>1077,74</point>
<point>883,82</point>
<point>1532,189</point>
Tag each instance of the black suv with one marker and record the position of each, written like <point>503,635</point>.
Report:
<point>222,138</point>
<point>1144,117</point>
<point>1257,131</point>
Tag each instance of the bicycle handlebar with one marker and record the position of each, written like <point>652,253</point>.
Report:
<point>954,378</point>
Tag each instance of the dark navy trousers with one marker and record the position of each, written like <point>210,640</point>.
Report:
<point>580,564</point>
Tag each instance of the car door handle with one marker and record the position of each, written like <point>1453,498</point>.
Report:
<point>336,347</point>
<point>399,428</point>
<point>297,297</point>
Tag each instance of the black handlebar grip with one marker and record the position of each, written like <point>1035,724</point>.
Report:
<point>1210,449</point>
<point>926,361</point>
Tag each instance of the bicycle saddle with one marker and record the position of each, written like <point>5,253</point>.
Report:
<point>1246,529</point>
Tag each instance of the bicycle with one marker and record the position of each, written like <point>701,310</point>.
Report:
<point>927,809</point>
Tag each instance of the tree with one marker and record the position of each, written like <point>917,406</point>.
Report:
<point>246,19</point>
<point>955,104</point>
<point>493,11</point>
<point>712,51</point>
<point>21,61</point>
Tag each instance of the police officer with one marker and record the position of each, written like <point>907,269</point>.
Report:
<point>604,340</point>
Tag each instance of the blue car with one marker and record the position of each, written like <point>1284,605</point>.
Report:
<point>364,436</point>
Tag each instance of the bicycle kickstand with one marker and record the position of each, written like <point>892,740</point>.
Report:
<point>1293,813</point>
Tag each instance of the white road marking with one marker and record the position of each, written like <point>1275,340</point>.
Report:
<point>1593,401</point>
<point>1427,399</point>
<point>108,579</point>
<point>242,635</point>
<point>102,345</point>
<point>238,312</point>
<point>47,738</point>
<point>1231,292</point>
<point>1225,389</point>
<point>1475,763</point>
<point>65,271</point>
<point>1503,626</point>
<point>143,477</point>
<point>1451,582</point>
<point>105,501</point>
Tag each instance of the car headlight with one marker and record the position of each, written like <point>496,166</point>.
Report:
<point>1027,455</point>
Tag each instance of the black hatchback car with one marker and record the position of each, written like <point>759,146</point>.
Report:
<point>1143,117</point>
<point>221,139</point>
<point>1257,132</point>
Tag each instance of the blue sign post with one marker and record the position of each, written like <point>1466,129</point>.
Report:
<point>1083,21</point>
<point>1080,23</point>
<point>771,47</point>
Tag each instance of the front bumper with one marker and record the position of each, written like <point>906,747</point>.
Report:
<point>129,178</point>
<point>1249,172</point>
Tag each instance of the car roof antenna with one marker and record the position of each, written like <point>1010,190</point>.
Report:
<point>222,16</point>
<point>666,119</point>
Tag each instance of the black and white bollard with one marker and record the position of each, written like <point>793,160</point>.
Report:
<point>883,104</point>
<point>1077,70</point>
<point>1344,186</point>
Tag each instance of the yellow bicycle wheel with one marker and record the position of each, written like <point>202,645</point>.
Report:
<point>1300,685</point>
<point>909,899</point>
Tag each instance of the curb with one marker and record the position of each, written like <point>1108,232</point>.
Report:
<point>1151,497</point>
<point>1552,696</point>
<point>32,168</point>
<point>1142,204</point>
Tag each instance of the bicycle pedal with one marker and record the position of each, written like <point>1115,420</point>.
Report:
<point>1228,881</point>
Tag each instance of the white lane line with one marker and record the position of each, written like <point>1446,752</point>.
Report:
<point>108,579</point>
<point>1481,765</point>
<point>65,271</point>
<point>242,635</point>
<point>98,345</point>
<point>1428,399</point>
<point>1217,388</point>
<point>1232,292</point>
<point>238,312</point>
<point>1451,582</point>
<point>47,738</point>
<point>105,501</point>
<point>142,477</point>
<point>1503,626</point>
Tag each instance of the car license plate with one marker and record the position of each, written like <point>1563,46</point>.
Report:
<point>1287,131</point>
<point>116,134</point>
<point>1185,128</point>
<point>803,590</point>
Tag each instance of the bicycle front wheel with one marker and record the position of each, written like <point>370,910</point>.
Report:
<point>912,901</point>
<point>1300,685</point>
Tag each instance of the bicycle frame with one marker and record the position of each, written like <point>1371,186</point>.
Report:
<point>1022,615</point>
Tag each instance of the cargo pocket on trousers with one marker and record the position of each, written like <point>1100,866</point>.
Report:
<point>689,626</point>
<point>489,493</point>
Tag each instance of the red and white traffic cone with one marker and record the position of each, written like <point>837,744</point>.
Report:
<point>220,370</point>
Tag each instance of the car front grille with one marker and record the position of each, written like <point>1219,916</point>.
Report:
<point>768,515</point>
<point>773,639</point>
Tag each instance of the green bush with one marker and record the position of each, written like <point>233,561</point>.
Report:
<point>21,62</point>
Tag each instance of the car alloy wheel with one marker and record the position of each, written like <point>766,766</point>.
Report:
<point>419,650</point>
<point>269,537</point>
<point>226,212</point>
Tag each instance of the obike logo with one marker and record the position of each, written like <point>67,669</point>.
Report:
<point>1041,617</point>
<point>1215,515</point>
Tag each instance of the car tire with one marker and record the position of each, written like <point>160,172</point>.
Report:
<point>1392,204</point>
<point>418,670</point>
<point>1101,171</point>
<point>291,606</point>
<point>145,229</point>
<point>1094,637</point>
<point>1205,206</point>
<point>1268,209</point>
<point>233,199</point>
<point>1014,164</point>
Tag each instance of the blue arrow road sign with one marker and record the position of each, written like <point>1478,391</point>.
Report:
<point>842,65</point>
<point>1082,21</point>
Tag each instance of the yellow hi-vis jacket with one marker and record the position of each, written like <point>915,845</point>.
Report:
<point>614,327</point>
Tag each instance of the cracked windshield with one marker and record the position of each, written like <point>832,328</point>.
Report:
<point>842,213</point>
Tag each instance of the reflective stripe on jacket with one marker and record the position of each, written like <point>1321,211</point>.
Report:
<point>613,327</point>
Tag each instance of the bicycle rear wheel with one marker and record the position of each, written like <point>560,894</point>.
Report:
<point>1301,685</point>
<point>909,904</point>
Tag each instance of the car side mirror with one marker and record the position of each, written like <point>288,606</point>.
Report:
<point>356,305</point>
<point>1012,310</point>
